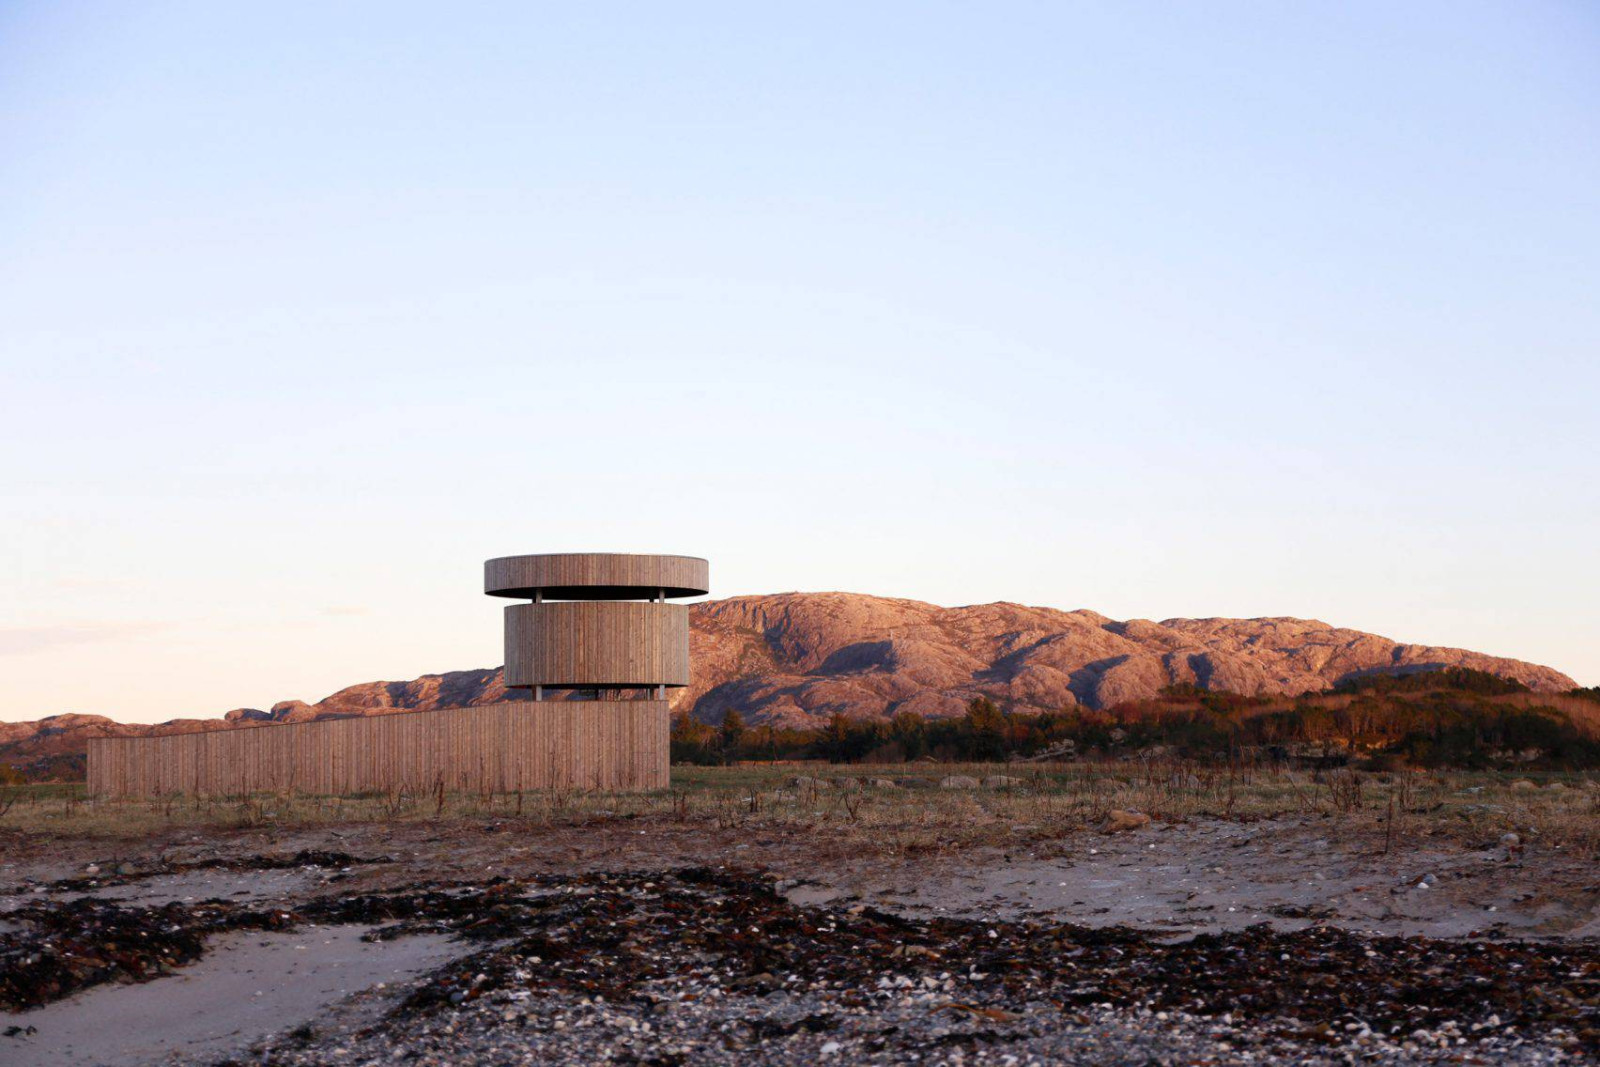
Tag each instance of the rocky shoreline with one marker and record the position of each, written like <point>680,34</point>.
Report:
<point>713,964</point>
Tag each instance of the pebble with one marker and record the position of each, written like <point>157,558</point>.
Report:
<point>795,1030</point>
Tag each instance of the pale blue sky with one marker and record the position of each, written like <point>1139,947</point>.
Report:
<point>1205,309</point>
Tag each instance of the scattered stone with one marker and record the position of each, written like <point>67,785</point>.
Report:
<point>1512,845</point>
<point>1121,821</point>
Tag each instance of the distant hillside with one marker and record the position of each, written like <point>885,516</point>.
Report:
<point>795,659</point>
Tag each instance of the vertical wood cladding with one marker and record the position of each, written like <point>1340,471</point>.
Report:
<point>593,745</point>
<point>597,643</point>
<point>596,576</point>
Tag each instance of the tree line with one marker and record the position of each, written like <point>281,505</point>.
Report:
<point>1435,718</point>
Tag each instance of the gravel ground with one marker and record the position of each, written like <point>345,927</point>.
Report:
<point>898,1026</point>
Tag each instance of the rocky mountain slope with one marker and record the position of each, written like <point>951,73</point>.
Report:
<point>796,658</point>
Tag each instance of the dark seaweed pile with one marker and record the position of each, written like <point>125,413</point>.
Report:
<point>65,947</point>
<point>643,935</point>
<point>662,936</point>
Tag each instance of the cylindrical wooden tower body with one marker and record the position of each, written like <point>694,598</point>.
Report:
<point>596,623</point>
<point>597,644</point>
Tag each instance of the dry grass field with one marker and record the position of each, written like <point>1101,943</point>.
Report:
<point>908,810</point>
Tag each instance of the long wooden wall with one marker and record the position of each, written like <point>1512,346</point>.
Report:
<point>601,745</point>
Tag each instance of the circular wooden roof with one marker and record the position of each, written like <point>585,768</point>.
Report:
<point>596,576</point>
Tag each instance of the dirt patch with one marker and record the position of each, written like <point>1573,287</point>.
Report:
<point>108,873</point>
<point>1212,875</point>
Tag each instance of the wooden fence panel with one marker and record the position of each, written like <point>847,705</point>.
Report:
<point>619,746</point>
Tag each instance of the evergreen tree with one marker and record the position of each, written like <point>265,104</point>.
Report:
<point>986,728</point>
<point>910,732</point>
<point>730,733</point>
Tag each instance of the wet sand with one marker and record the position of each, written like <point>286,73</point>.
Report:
<point>247,986</point>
